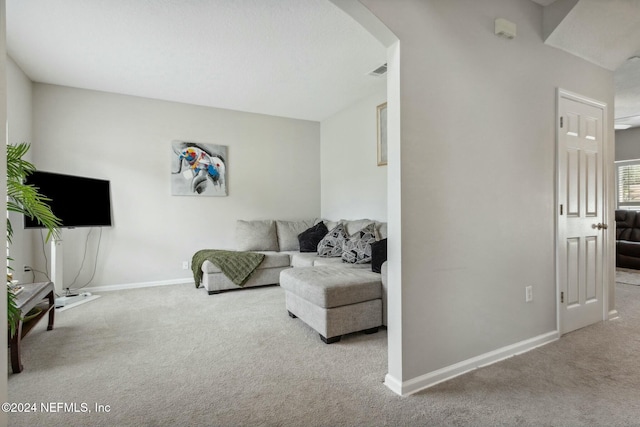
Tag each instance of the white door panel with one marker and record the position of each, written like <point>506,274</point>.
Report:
<point>580,194</point>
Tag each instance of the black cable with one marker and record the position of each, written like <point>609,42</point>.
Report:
<point>34,271</point>
<point>95,262</point>
<point>46,260</point>
<point>33,274</point>
<point>86,244</point>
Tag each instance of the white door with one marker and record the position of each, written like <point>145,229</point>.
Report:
<point>581,227</point>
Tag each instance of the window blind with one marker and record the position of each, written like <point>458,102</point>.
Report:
<point>628,183</point>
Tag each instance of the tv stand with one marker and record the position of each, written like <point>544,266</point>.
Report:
<point>67,299</point>
<point>72,300</point>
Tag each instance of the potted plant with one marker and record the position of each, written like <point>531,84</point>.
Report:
<point>24,199</point>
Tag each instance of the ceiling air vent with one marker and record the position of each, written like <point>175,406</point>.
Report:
<point>380,71</point>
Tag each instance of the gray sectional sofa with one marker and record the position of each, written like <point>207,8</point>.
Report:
<point>322,291</point>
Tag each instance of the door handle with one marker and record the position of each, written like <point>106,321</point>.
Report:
<point>599,226</point>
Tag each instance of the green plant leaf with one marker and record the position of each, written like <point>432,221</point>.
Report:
<point>24,199</point>
<point>13,314</point>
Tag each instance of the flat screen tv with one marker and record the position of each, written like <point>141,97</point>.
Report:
<point>78,201</point>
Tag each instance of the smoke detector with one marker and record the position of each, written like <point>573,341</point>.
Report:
<point>506,29</point>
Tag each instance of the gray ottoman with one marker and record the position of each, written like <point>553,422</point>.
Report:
<point>334,300</point>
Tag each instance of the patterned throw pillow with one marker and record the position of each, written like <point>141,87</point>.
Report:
<point>331,244</point>
<point>357,249</point>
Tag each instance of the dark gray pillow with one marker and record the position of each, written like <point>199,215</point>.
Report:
<point>310,237</point>
<point>378,255</point>
<point>357,249</point>
<point>331,244</point>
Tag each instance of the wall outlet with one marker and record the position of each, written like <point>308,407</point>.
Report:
<point>26,268</point>
<point>528,294</point>
<point>185,265</point>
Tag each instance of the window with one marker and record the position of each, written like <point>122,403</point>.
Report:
<point>628,184</point>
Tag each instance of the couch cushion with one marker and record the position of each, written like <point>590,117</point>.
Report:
<point>309,239</point>
<point>256,236</point>
<point>330,224</point>
<point>332,286</point>
<point>271,260</point>
<point>628,254</point>
<point>288,232</point>
<point>627,225</point>
<point>354,225</point>
<point>304,259</point>
<point>627,248</point>
<point>331,244</point>
<point>309,259</point>
<point>357,249</point>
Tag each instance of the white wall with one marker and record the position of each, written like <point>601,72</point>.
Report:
<point>273,172</point>
<point>19,105</point>
<point>628,144</point>
<point>353,185</point>
<point>477,168</point>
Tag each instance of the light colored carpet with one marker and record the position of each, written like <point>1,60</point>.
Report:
<point>628,276</point>
<point>175,356</point>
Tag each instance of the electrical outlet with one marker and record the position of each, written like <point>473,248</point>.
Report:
<point>185,265</point>
<point>26,268</point>
<point>528,293</point>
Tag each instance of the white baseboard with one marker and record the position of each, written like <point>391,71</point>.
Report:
<point>394,384</point>
<point>119,287</point>
<point>613,314</point>
<point>422,382</point>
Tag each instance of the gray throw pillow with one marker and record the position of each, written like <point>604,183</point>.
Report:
<point>331,244</point>
<point>256,236</point>
<point>357,249</point>
<point>288,232</point>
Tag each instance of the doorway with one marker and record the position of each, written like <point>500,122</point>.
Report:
<point>581,221</point>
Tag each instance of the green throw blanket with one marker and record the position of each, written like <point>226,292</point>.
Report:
<point>236,265</point>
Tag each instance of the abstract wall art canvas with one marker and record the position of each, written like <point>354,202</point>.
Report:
<point>198,169</point>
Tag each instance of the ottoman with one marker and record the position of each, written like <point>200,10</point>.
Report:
<point>334,300</point>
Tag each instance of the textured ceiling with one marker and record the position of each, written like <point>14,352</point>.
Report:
<point>294,58</point>
<point>603,32</point>
<point>627,81</point>
<point>607,33</point>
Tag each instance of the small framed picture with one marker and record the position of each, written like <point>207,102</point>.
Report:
<point>382,134</point>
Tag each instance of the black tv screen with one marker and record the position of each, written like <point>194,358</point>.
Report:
<point>78,201</point>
